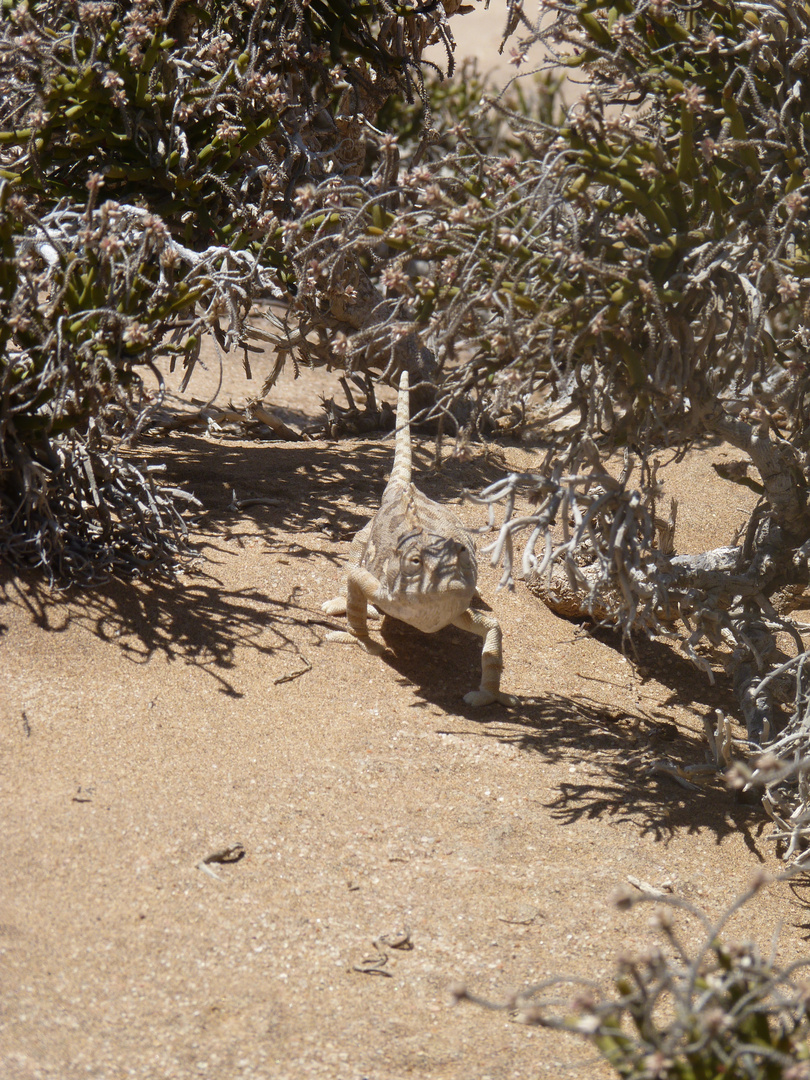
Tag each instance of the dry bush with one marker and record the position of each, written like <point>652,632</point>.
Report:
<point>151,160</point>
<point>685,1010</point>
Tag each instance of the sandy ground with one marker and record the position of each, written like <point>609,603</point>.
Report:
<point>478,33</point>
<point>146,728</point>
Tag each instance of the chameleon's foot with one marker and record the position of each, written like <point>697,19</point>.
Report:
<point>345,638</point>
<point>477,698</point>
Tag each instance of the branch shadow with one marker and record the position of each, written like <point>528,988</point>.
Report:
<point>801,899</point>
<point>310,487</point>
<point>621,747</point>
<point>312,491</point>
<point>196,622</point>
<point>660,659</point>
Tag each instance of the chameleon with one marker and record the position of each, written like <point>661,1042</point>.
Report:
<point>415,561</point>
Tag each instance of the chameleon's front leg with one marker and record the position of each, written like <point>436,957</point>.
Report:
<point>361,590</point>
<point>338,605</point>
<point>487,627</point>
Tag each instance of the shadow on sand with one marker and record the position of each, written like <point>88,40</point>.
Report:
<point>314,489</point>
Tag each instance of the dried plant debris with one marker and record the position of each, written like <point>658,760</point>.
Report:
<point>376,963</point>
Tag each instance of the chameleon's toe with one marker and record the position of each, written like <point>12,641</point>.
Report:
<point>335,607</point>
<point>345,638</point>
<point>477,698</point>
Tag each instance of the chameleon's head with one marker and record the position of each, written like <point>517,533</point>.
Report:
<point>430,564</point>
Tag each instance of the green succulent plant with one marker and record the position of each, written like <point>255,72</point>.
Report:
<point>151,158</point>
<point>698,1007</point>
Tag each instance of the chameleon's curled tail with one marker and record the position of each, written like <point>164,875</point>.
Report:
<point>401,471</point>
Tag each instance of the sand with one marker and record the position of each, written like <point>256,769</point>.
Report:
<point>149,727</point>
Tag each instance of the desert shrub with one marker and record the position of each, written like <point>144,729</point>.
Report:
<point>670,305</point>
<point>459,108</point>
<point>684,1011</point>
<point>151,157</point>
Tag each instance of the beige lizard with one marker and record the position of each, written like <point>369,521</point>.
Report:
<point>415,561</point>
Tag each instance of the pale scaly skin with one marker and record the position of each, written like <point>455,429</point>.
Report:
<point>415,561</point>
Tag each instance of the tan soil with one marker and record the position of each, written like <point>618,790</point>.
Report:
<point>147,727</point>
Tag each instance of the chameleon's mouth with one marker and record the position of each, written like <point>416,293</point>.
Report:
<point>458,584</point>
